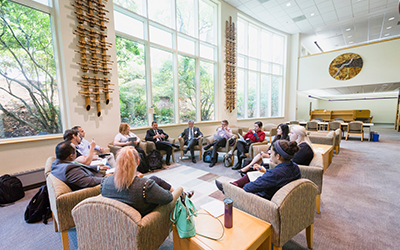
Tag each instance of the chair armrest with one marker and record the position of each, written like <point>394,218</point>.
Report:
<point>66,202</point>
<point>314,174</point>
<point>253,150</point>
<point>143,145</point>
<point>171,140</point>
<point>155,225</point>
<point>114,149</point>
<point>181,143</point>
<point>273,131</point>
<point>209,139</point>
<point>150,146</point>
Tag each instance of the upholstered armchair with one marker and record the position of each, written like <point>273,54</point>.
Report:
<point>333,138</point>
<point>294,123</point>
<point>355,128</point>
<point>103,223</point>
<point>312,125</point>
<point>63,200</point>
<point>151,145</point>
<point>257,147</point>
<point>289,211</point>
<point>334,125</point>
<point>114,149</point>
<point>270,130</point>
<point>227,149</point>
<point>198,147</point>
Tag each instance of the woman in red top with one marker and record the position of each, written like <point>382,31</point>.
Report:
<point>254,135</point>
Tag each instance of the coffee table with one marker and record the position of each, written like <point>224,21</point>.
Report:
<point>326,152</point>
<point>248,232</point>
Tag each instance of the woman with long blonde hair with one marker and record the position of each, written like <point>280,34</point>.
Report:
<point>306,154</point>
<point>140,193</point>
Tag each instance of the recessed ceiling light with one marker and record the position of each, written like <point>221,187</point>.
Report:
<point>351,42</point>
<point>349,36</point>
<point>388,28</point>
<point>288,4</point>
<point>387,34</point>
<point>312,14</point>
<point>392,18</point>
<point>348,29</point>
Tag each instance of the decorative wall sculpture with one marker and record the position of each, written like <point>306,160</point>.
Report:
<point>230,70</point>
<point>93,51</point>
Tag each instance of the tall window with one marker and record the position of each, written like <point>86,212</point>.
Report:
<point>170,64</point>
<point>261,60</point>
<point>29,102</point>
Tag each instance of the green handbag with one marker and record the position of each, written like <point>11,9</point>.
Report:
<point>182,217</point>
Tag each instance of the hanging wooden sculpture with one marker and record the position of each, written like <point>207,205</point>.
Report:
<point>230,70</point>
<point>93,52</point>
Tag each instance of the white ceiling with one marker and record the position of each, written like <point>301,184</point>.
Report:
<point>333,24</point>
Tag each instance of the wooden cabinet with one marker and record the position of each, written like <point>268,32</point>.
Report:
<point>347,115</point>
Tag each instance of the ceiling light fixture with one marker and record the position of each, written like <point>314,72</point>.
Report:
<point>350,42</point>
<point>312,14</point>
<point>392,18</point>
<point>388,28</point>
<point>387,34</point>
<point>349,36</point>
<point>348,29</point>
<point>288,4</point>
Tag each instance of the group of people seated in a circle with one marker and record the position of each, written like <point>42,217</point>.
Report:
<point>74,155</point>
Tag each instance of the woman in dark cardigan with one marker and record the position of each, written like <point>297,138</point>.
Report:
<point>140,193</point>
<point>271,180</point>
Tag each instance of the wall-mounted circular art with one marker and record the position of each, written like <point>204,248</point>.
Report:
<point>345,66</point>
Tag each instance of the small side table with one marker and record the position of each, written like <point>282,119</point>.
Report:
<point>248,232</point>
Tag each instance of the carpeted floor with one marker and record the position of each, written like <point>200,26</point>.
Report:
<point>359,201</point>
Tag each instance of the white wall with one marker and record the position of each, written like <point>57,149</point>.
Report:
<point>381,65</point>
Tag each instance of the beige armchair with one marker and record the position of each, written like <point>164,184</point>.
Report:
<point>198,147</point>
<point>333,138</point>
<point>270,130</point>
<point>312,126</point>
<point>227,149</point>
<point>114,149</point>
<point>334,125</point>
<point>355,128</point>
<point>103,223</point>
<point>63,200</point>
<point>151,145</point>
<point>289,211</point>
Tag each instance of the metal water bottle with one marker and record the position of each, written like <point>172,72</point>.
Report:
<point>228,217</point>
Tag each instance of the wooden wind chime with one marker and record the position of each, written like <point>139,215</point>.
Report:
<point>93,50</point>
<point>230,71</point>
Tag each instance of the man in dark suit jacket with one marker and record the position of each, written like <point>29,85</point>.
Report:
<point>191,135</point>
<point>159,137</point>
<point>74,174</point>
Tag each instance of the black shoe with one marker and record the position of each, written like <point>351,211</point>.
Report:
<point>242,173</point>
<point>237,166</point>
<point>185,151</point>
<point>189,194</point>
<point>212,164</point>
<point>175,146</point>
<point>207,147</point>
<point>167,163</point>
<point>219,186</point>
<point>193,160</point>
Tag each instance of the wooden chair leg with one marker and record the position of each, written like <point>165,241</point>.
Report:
<point>55,223</point>
<point>181,154</point>
<point>277,248</point>
<point>201,154</point>
<point>64,239</point>
<point>173,156</point>
<point>309,236</point>
<point>337,149</point>
<point>318,203</point>
<point>347,135</point>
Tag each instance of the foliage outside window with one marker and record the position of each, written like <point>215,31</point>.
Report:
<point>171,62</point>
<point>132,81</point>
<point>29,103</point>
<point>261,61</point>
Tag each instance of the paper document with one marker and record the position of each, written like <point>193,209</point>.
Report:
<point>266,160</point>
<point>253,175</point>
<point>110,171</point>
<point>241,138</point>
<point>215,208</point>
<point>99,162</point>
